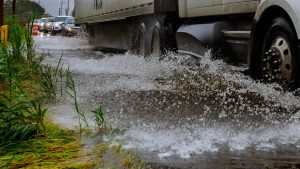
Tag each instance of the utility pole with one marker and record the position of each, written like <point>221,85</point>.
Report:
<point>1,12</point>
<point>14,7</point>
<point>61,7</point>
<point>68,8</point>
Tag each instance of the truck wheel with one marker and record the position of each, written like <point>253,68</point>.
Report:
<point>141,40</point>
<point>279,54</point>
<point>156,43</point>
<point>158,40</point>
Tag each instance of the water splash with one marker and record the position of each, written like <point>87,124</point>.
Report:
<point>181,142</point>
<point>180,105</point>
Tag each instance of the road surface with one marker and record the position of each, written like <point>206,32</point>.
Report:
<point>182,112</point>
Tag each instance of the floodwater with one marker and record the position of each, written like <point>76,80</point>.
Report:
<point>181,112</point>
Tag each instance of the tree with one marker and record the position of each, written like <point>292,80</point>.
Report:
<point>24,8</point>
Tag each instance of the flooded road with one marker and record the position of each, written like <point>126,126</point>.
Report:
<point>181,112</point>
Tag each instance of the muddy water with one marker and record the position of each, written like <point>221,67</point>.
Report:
<point>182,112</point>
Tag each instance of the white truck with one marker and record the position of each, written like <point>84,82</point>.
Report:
<point>264,34</point>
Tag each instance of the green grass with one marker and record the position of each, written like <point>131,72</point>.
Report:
<point>27,140</point>
<point>58,148</point>
<point>71,90</point>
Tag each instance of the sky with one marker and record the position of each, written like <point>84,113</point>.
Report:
<point>52,6</point>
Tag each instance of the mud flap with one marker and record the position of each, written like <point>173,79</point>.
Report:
<point>197,39</point>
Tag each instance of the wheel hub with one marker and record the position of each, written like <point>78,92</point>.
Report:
<point>277,63</point>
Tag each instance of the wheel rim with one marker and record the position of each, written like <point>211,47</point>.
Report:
<point>156,46</point>
<point>277,62</point>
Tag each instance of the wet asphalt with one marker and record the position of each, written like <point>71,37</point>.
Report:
<point>179,111</point>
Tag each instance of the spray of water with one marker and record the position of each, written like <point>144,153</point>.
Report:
<point>180,105</point>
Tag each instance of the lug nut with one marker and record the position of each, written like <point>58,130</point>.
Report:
<point>277,62</point>
<point>278,77</point>
<point>277,71</point>
<point>273,78</point>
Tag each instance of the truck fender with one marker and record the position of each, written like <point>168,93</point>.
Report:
<point>291,7</point>
<point>266,12</point>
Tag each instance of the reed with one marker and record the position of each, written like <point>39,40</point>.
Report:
<point>71,91</point>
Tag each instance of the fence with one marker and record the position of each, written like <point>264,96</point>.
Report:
<point>3,33</point>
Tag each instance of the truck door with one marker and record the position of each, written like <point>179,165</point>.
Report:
<point>224,2</point>
<point>191,4</point>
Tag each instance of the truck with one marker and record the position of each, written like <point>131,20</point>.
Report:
<point>264,35</point>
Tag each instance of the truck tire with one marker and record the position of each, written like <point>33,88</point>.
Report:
<point>279,60</point>
<point>157,41</point>
<point>140,46</point>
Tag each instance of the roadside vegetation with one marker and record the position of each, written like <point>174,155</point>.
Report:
<point>28,139</point>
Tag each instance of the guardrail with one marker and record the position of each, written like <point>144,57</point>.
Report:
<point>3,33</point>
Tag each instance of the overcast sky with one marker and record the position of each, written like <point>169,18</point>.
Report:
<point>52,6</point>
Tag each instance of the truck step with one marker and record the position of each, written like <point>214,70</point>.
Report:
<point>237,34</point>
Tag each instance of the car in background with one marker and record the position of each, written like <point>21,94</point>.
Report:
<point>42,23</point>
<point>57,24</point>
<point>68,28</point>
<point>36,22</point>
<point>48,26</point>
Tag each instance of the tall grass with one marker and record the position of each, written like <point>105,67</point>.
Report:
<point>21,116</point>
<point>99,118</point>
<point>21,110</point>
<point>71,90</point>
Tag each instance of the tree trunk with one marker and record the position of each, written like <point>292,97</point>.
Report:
<point>14,7</point>
<point>1,12</point>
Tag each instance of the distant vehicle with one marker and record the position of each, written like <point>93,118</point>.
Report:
<point>36,22</point>
<point>41,24</point>
<point>48,25</point>
<point>69,28</point>
<point>57,24</point>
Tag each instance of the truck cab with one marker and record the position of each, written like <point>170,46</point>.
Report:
<point>192,8</point>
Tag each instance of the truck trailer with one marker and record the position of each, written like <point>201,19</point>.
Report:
<point>262,34</point>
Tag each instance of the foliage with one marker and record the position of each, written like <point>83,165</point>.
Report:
<point>24,8</point>
<point>57,149</point>
<point>49,79</point>
<point>21,111</point>
<point>99,117</point>
<point>71,90</point>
